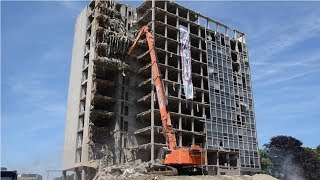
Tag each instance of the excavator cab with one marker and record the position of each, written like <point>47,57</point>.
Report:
<point>162,153</point>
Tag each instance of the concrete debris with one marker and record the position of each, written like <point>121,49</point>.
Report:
<point>107,156</point>
<point>111,24</point>
<point>223,177</point>
<point>110,64</point>
<point>102,82</point>
<point>102,32</point>
<point>101,86</point>
<point>103,101</point>
<point>112,31</point>
<point>114,45</point>
<point>130,174</point>
<point>111,45</point>
<point>101,151</point>
<point>100,114</point>
<point>124,171</point>
<point>108,8</point>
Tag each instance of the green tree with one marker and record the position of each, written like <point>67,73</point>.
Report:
<point>311,151</point>
<point>290,160</point>
<point>318,151</point>
<point>265,161</point>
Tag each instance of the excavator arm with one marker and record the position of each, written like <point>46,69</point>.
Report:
<point>158,83</point>
<point>183,158</point>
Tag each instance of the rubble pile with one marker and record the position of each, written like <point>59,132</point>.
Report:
<point>123,171</point>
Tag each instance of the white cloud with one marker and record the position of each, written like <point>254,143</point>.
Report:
<point>54,54</point>
<point>30,90</point>
<point>34,93</point>
<point>296,65</point>
<point>287,78</point>
<point>286,35</point>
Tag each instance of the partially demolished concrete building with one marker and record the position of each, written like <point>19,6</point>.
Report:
<point>112,113</point>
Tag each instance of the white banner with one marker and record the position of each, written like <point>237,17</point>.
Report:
<point>185,53</point>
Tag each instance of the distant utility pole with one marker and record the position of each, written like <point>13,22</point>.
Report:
<point>51,170</point>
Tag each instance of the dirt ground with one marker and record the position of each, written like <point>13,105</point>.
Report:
<point>137,170</point>
<point>224,177</point>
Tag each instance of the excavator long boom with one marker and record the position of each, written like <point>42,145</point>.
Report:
<point>158,83</point>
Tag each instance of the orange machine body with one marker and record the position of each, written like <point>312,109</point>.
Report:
<point>193,155</point>
<point>185,156</point>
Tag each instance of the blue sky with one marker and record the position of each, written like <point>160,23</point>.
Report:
<point>36,50</point>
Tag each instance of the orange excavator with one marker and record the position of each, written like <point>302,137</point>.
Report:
<point>185,160</point>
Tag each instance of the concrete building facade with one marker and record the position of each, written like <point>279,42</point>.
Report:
<point>112,113</point>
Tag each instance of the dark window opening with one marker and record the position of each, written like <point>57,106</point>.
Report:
<point>124,142</point>
<point>170,21</point>
<point>122,92</point>
<point>126,110</point>
<point>118,7</point>
<point>125,126</point>
<point>233,44</point>
<point>126,96</point>
<point>240,138</point>
<point>123,80</point>
<point>234,56</point>
<point>222,159</point>
<point>244,83</point>
<point>222,41</point>
<point>122,104</point>
<point>235,67</point>
<point>239,46</point>
<point>121,123</point>
<point>233,160</point>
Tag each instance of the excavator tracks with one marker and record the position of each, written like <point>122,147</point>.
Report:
<point>191,170</point>
<point>163,170</point>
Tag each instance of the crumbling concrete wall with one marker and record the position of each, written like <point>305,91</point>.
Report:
<point>110,67</point>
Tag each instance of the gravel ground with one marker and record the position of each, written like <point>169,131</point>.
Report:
<point>224,177</point>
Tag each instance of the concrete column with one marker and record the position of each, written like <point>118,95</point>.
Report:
<point>177,11</point>
<point>180,120</point>
<point>193,140</point>
<point>165,5</point>
<point>76,174</point>
<point>177,21</point>
<point>152,91</point>
<point>166,71</point>
<point>192,110</point>
<point>188,23</point>
<point>84,174</point>
<point>64,175</point>
<point>204,113</point>
<point>228,159</point>
<point>192,125</point>
<point>188,15</point>
<point>180,128</point>
<point>217,158</point>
